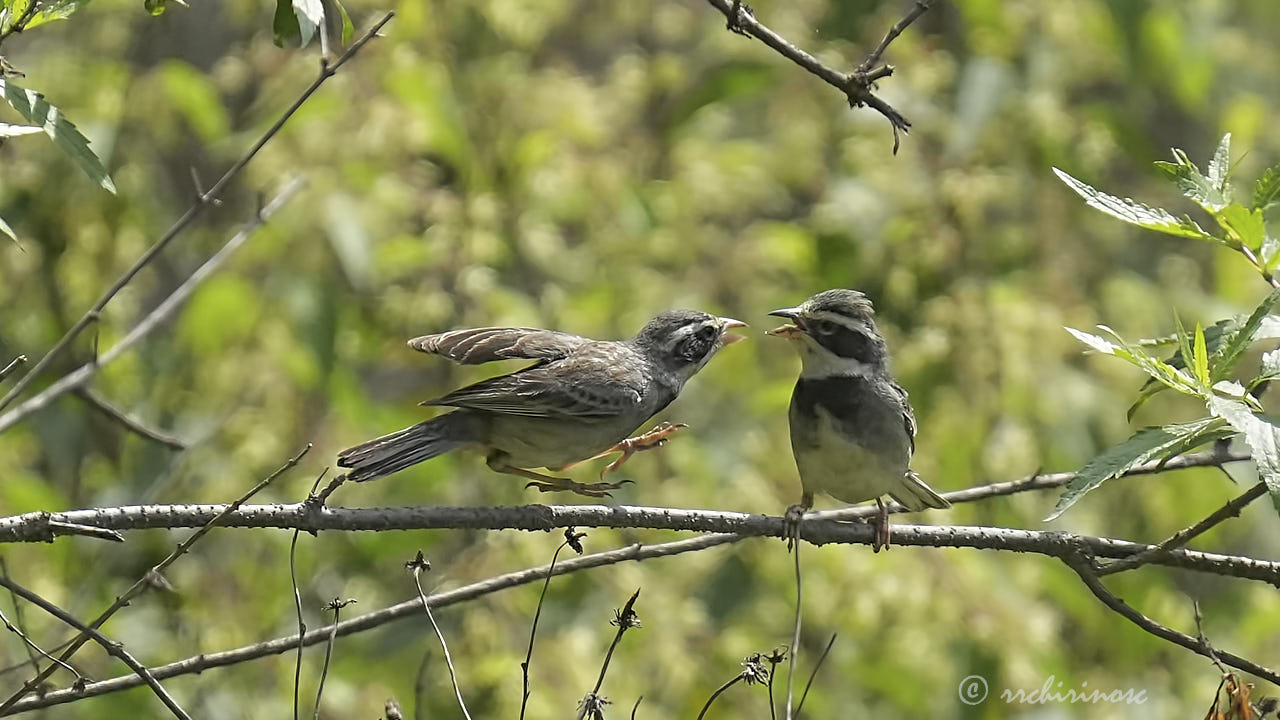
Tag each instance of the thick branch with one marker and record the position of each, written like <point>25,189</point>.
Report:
<point>300,516</point>
<point>78,378</point>
<point>203,200</point>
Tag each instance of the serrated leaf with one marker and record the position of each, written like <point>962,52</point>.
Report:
<point>1135,213</point>
<point>1220,167</point>
<point>8,131</point>
<point>1159,370</point>
<point>310,14</point>
<point>1236,343</point>
<point>1184,357</point>
<point>1201,356</point>
<point>1261,434</point>
<point>1243,225</point>
<point>1188,179</point>
<point>32,106</point>
<point>1153,443</point>
<point>1267,188</point>
<point>1096,342</point>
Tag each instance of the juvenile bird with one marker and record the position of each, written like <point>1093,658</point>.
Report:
<point>579,400</point>
<point>852,428</point>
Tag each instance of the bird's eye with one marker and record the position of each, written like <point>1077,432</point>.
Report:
<point>823,327</point>
<point>707,332</point>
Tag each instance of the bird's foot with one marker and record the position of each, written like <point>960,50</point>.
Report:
<point>791,524</point>
<point>881,538</point>
<point>597,490</point>
<point>655,438</point>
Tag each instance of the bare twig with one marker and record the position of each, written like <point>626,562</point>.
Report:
<point>774,658</point>
<point>814,673</point>
<point>18,620</point>
<point>1213,654</point>
<point>146,581</point>
<point>202,200</point>
<point>297,601</point>
<point>417,565</point>
<point>14,364</point>
<point>591,706</point>
<point>571,538</point>
<point>133,425</point>
<point>78,377</point>
<point>732,681</point>
<point>1231,509</point>
<point>636,707</point>
<point>29,644</point>
<point>856,85</point>
<point>115,649</point>
<point>336,606</point>
<point>1083,565</point>
<point>795,633</point>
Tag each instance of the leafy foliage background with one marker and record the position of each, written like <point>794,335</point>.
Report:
<point>582,166</point>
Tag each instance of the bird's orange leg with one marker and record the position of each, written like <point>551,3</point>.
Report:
<point>547,483</point>
<point>655,438</point>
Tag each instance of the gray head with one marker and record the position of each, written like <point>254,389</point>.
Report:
<point>684,340</point>
<point>836,334</point>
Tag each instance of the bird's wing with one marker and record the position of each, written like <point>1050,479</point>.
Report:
<point>600,380</point>
<point>481,345</point>
<point>908,415</point>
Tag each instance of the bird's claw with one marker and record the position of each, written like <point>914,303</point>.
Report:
<point>791,524</point>
<point>597,490</point>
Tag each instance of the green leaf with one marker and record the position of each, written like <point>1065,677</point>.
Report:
<point>1153,443</point>
<point>1188,179</point>
<point>1261,434</point>
<point>1135,213</point>
<point>35,109</point>
<point>1220,168</point>
<point>8,131</point>
<point>310,14</point>
<point>60,10</point>
<point>155,7</point>
<point>1267,188</point>
<point>1157,369</point>
<point>284,25</point>
<point>1237,342</point>
<point>1243,225</point>
<point>1201,356</point>
<point>1271,364</point>
<point>348,28</point>
<point>1184,358</point>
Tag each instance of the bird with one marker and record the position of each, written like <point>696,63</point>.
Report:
<point>578,401</point>
<point>852,427</point>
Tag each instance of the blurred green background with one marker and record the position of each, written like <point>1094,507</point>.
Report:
<point>581,166</point>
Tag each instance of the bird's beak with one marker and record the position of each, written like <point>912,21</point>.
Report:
<point>789,330</point>
<point>727,324</point>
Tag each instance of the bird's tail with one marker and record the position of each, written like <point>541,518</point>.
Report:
<point>410,446</point>
<point>915,495</point>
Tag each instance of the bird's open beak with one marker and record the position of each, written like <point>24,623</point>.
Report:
<point>789,330</point>
<point>727,324</point>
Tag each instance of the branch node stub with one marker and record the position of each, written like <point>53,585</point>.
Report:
<point>735,16</point>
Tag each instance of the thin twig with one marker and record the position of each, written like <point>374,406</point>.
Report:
<point>81,375</point>
<point>874,57</point>
<point>774,658</point>
<point>297,601</point>
<point>31,646</point>
<point>625,620</point>
<point>1083,566</point>
<point>636,707</point>
<point>1213,654</point>
<point>1231,509</point>
<point>115,649</point>
<point>336,606</point>
<point>202,200</point>
<point>570,538</point>
<point>14,364</point>
<point>795,634</point>
<point>417,565</point>
<point>817,666</point>
<point>133,425</point>
<point>716,694</point>
<point>19,621</point>
<point>146,581</point>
